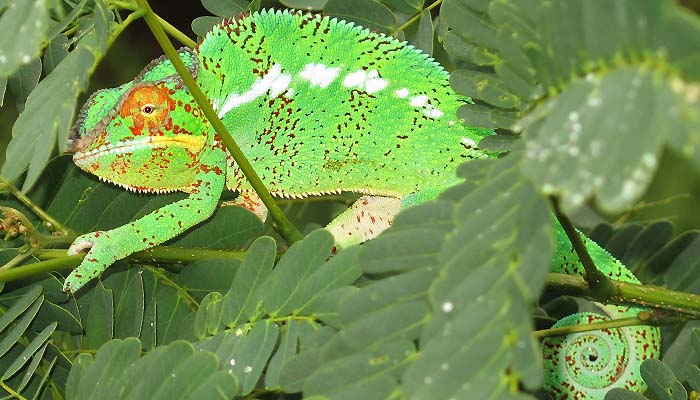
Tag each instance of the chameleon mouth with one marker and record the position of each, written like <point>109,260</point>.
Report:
<point>193,143</point>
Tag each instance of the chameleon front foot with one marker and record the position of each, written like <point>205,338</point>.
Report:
<point>98,258</point>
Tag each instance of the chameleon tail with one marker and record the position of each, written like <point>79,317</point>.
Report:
<point>587,365</point>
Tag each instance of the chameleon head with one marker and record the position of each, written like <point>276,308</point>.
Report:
<point>144,135</point>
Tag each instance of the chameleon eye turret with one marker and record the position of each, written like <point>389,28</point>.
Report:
<point>135,146</point>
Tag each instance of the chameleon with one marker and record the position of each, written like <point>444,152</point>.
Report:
<point>319,106</point>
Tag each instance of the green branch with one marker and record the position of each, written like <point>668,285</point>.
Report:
<point>641,319</point>
<point>174,32</point>
<point>290,233</point>
<point>415,18</point>
<point>173,257</point>
<point>653,297</point>
<point>599,282</point>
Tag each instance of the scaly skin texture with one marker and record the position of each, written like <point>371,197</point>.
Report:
<point>318,106</point>
<point>587,365</point>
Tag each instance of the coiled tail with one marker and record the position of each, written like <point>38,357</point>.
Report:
<point>586,365</point>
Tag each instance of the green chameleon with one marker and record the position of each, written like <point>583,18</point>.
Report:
<point>318,106</point>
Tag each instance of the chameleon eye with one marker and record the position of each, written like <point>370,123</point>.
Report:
<point>148,109</point>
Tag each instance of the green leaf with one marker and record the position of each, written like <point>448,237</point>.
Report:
<point>469,23</point>
<point>3,88</point>
<point>32,347</point>
<point>20,306</point>
<point>483,86</point>
<point>153,372</point>
<point>99,324</point>
<point>81,364</point>
<point>54,99</point>
<point>692,376</point>
<point>369,13</point>
<point>298,369</point>
<point>208,318</point>
<point>128,299</point>
<point>11,337</point>
<point>308,5</point>
<point>623,394</point>
<point>55,52</point>
<point>110,362</point>
<point>244,355</point>
<point>391,322</point>
<point>570,153</point>
<point>282,289</point>
<point>225,8</point>
<point>29,372</point>
<point>483,289</point>
<point>342,269</point>
<point>289,344</point>
<point>219,384</point>
<point>424,35</point>
<point>51,312</point>
<point>458,47</point>
<point>241,302</point>
<point>30,20</point>
<point>413,241</point>
<point>405,6</point>
<point>187,376</point>
<point>661,381</point>
<point>680,274</point>
<point>230,228</point>
<point>384,293</point>
<point>204,276</point>
<point>370,375</point>
<point>25,80</point>
<point>202,25</point>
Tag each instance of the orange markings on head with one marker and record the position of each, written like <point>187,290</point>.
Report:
<point>148,107</point>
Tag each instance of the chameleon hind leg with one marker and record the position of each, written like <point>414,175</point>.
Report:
<point>369,216</point>
<point>364,219</point>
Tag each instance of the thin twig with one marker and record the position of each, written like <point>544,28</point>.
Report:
<point>11,391</point>
<point>598,281</point>
<point>171,257</point>
<point>415,18</point>
<point>630,294</point>
<point>174,32</point>
<point>593,326</point>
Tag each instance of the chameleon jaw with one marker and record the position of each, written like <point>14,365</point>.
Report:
<point>192,143</point>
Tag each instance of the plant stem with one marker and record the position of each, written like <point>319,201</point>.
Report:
<point>161,254</point>
<point>120,27</point>
<point>597,280</point>
<point>38,211</point>
<point>593,326</point>
<point>648,296</point>
<point>174,32</point>
<point>11,391</point>
<point>192,304</point>
<point>56,260</point>
<point>415,17</point>
<point>290,233</point>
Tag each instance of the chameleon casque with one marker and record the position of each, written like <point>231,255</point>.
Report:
<point>318,106</point>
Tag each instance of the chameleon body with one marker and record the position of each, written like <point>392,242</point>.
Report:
<point>318,106</point>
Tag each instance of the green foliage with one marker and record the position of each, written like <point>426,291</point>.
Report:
<point>439,306</point>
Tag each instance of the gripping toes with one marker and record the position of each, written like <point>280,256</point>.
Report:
<point>98,258</point>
